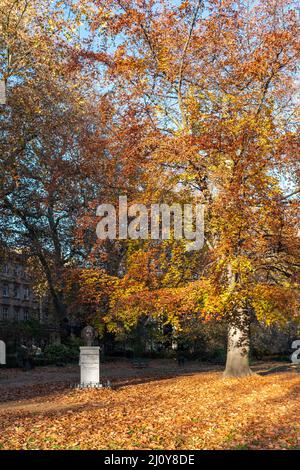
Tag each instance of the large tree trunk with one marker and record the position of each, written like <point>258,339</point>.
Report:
<point>237,363</point>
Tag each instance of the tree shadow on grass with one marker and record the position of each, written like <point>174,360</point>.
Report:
<point>52,409</point>
<point>51,390</point>
<point>279,368</point>
<point>120,377</point>
<point>40,389</point>
<point>33,391</point>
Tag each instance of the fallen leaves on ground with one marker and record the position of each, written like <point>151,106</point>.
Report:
<point>197,411</point>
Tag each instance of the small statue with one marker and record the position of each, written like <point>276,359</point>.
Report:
<point>88,335</point>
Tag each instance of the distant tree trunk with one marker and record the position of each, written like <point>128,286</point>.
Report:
<point>237,363</point>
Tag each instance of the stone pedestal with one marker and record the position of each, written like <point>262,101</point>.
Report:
<point>2,352</point>
<point>89,366</point>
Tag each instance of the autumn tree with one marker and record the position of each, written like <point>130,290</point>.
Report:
<point>204,93</point>
<point>189,101</point>
<point>51,141</point>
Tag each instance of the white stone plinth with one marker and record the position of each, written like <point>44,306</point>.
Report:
<point>2,352</point>
<point>89,366</point>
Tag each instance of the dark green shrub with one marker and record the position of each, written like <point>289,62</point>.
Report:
<point>60,354</point>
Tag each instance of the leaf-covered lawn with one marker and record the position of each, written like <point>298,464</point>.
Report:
<point>196,411</point>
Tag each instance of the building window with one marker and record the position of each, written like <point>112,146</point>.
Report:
<point>16,313</point>
<point>18,271</point>
<point>5,290</point>
<point>5,269</point>
<point>16,292</point>
<point>4,313</point>
<point>24,274</point>
<point>26,314</point>
<point>26,293</point>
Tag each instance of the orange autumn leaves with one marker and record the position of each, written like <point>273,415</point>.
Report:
<point>195,411</point>
<point>200,98</point>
